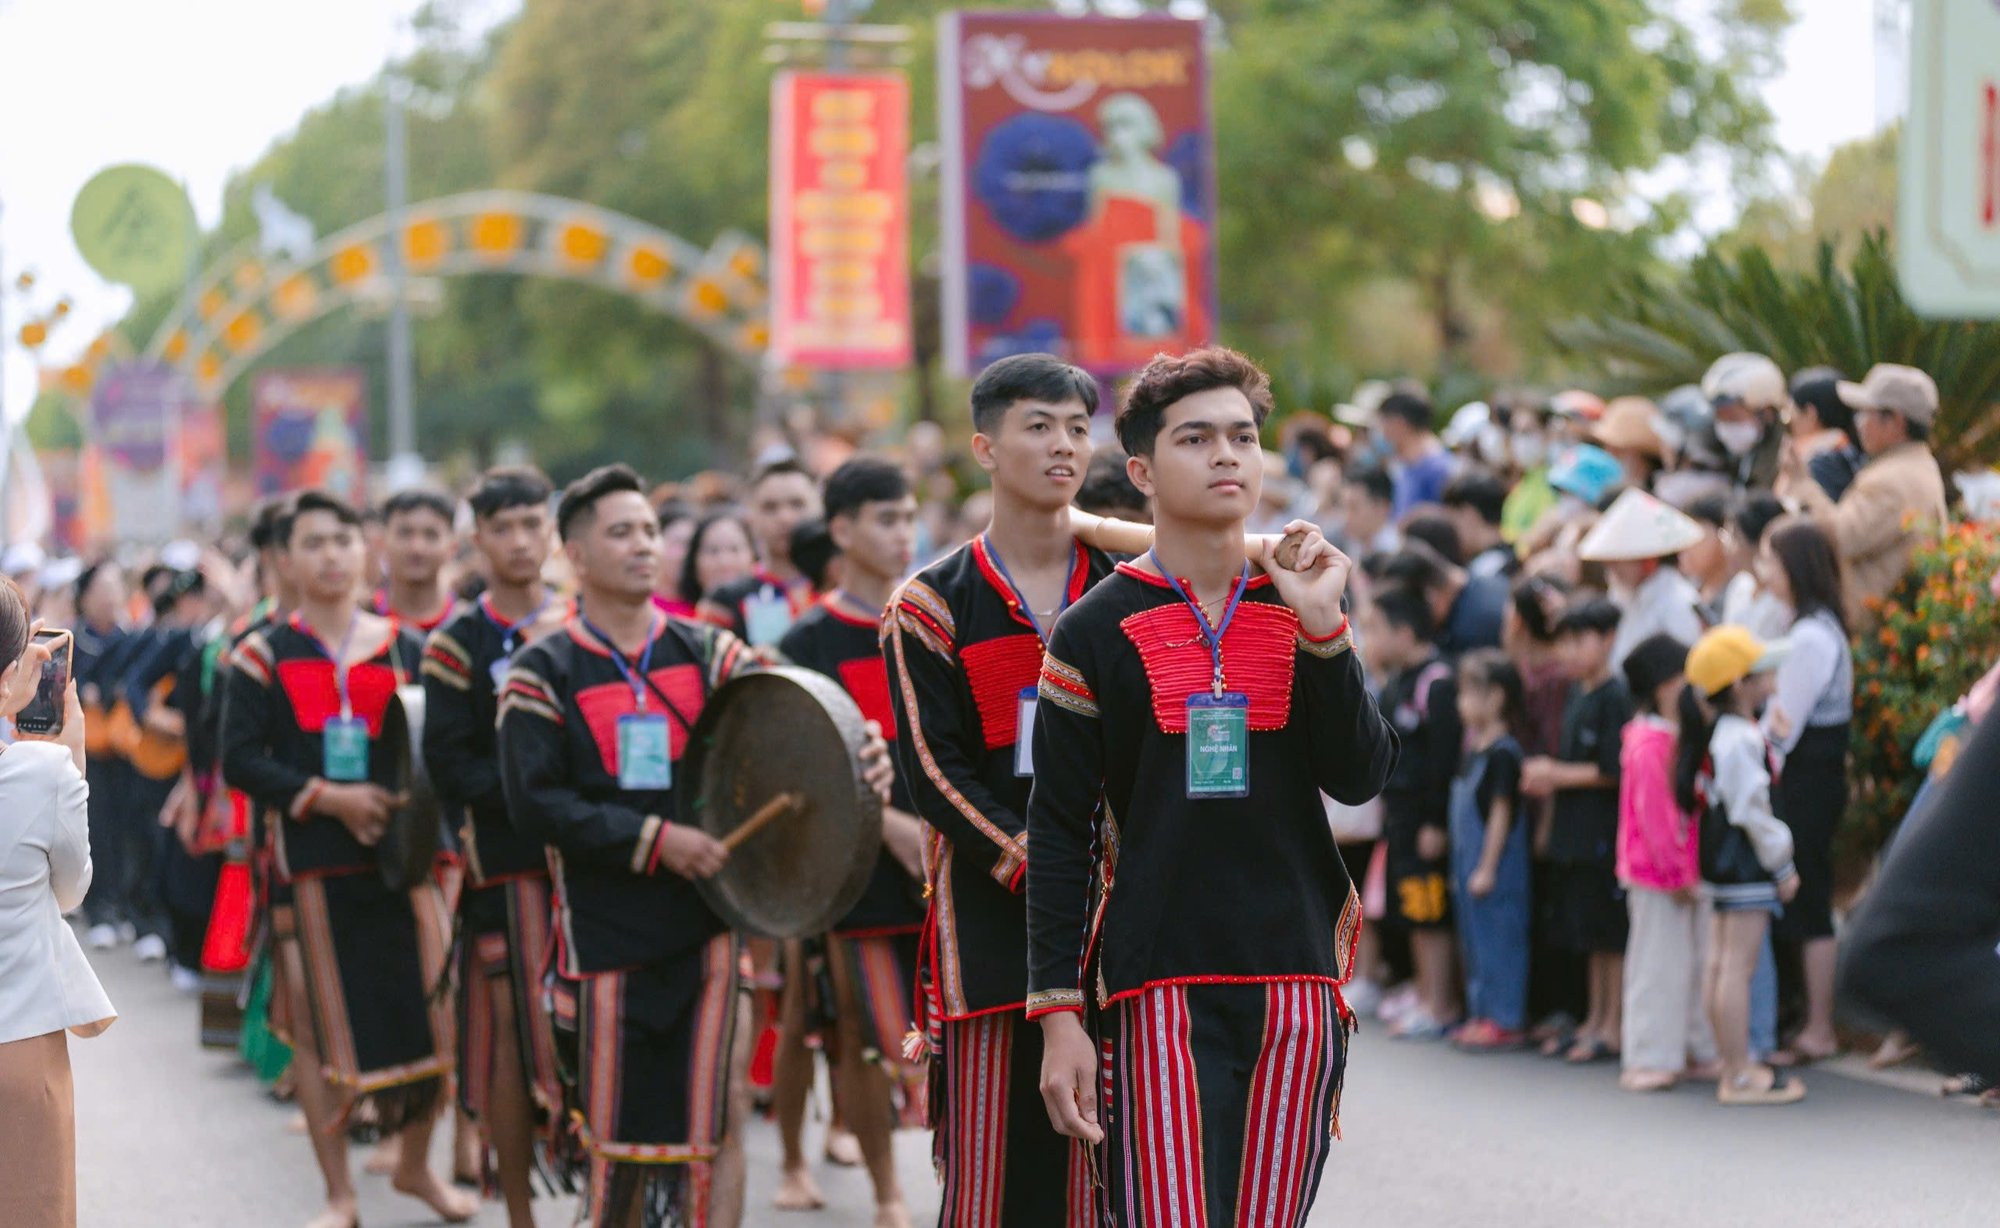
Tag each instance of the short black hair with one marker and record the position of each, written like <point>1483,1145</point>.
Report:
<point>418,500</point>
<point>1532,596</point>
<point>1107,489</point>
<point>1594,614</point>
<point>1710,509</point>
<point>862,480</point>
<point>1170,378</point>
<point>509,487</point>
<point>1433,528</point>
<point>86,578</point>
<point>1819,387</point>
<point>1756,513</point>
<point>580,498</point>
<point>1028,377</point>
<point>813,551</point>
<point>180,584</point>
<point>1401,606</point>
<point>781,467</point>
<point>1373,481</point>
<point>1411,408</point>
<point>265,528</point>
<point>1418,565</point>
<point>318,501</point>
<point>672,512</point>
<point>1480,491</point>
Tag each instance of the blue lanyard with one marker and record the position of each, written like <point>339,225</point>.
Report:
<point>339,659</point>
<point>1022,597</point>
<point>510,634</point>
<point>1212,634</point>
<point>637,681</point>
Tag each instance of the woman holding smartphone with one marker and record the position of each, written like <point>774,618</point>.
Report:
<point>46,984</point>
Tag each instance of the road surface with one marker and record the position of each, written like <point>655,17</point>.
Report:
<point>174,1136</point>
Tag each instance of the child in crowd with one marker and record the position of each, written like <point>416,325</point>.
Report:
<point>1418,697</point>
<point>1666,1029</point>
<point>1588,908</point>
<point>1489,855</point>
<point>1724,770</point>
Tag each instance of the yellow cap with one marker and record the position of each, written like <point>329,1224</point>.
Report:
<point>1725,656</point>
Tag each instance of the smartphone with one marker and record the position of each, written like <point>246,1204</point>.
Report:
<point>44,713</point>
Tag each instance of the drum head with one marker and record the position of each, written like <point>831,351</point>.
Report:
<point>762,735</point>
<point>409,845</point>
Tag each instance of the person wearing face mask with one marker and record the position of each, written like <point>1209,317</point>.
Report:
<point>1528,452</point>
<point>1637,540</point>
<point>1747,392</point>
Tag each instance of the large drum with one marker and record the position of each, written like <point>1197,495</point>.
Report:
<point>408,849</point>
<point>773,770</point>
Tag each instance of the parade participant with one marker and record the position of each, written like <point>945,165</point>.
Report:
<point>593,721</point>
<point>301,737</point>
<point>1192,709</point>
<point>760,609</point>
<point>101,641</point>
<point>416,545</point>
<point>871,956</point>
<point>963,645</point>
<point>506,1056</point>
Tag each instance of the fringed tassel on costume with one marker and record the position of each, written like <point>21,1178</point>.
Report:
<point>667,1195</point>
<point>391,1110</point>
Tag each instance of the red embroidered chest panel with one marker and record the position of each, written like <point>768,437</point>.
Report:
<point>999,670</point>
<point>1258,659</point>
<point>866,679</point>
<point>315,694</point>
<point>603,704</point>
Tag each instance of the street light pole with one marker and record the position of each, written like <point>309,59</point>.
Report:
<point>405,466</point>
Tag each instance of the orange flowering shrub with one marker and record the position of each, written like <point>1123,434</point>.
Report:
<point>1938,632</point>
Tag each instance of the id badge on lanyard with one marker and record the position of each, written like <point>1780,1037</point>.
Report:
<point>345,743</point>
<point>1024,731</point>
<point>767,615</point>
<point>1218,744</point>
<point>645,755</point>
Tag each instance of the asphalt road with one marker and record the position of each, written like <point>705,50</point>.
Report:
<point>170,1135</point>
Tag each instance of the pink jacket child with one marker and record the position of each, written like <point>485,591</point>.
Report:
<point>1657,844</point>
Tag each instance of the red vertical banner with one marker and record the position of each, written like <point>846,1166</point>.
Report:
<point>840,220</point>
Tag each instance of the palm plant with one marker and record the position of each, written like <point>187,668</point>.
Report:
<point>1663,332</point>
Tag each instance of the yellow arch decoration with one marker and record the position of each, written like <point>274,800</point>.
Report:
<point>244,305</point>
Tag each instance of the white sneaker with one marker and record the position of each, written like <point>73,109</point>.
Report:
<point>187,980</point>
<point>102,937</point>
<point>127,931</point>
<point>151,949</point>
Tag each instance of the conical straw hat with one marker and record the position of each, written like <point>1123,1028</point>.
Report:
<point>1638,526</point>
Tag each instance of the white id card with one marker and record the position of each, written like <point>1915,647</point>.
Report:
<point>766,618</point>
<point>1024,732</point>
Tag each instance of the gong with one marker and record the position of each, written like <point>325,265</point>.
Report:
<point>409,844</point>
<point>773,770</point>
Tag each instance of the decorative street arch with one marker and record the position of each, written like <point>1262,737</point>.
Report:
<point>246,304</point>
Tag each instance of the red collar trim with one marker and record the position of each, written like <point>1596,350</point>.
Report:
<point>833,606</point>
<point>297,623</point>
<point>1258,579</point>
<point>1079,577</point>
<point>590,643</point>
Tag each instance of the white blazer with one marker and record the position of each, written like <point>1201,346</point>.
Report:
<point>46,984</point>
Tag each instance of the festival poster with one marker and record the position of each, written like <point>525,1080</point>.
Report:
<point>204,464</point>
<point>62,471</point>
<point>310,431</point>
<point>135,418</point>
<point>1079,192</point>
<point>840,220</point>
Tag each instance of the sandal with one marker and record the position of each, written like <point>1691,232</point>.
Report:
<point>1587,1052</point>
<point>1783,1089</point>
<point>1894,1051</point>
<point>1558,1043</point>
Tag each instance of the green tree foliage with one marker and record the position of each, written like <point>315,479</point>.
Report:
<point>1664,330</point>
<point>1446,146</point>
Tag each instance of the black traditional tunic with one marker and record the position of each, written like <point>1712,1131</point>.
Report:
<point>960,651</point>
<point>657,1000</point>
<point>504,911</point>
<point>371,955</point>
<point>1214,932</point>
<point>729,607</point>
<point>876,944</point>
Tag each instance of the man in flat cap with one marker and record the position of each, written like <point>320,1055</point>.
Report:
<point>1897,500</point>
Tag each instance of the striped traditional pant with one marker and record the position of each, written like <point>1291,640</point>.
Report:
<point>1001,1162</point>
<point>1219,1103</point>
